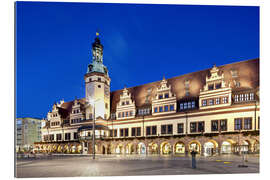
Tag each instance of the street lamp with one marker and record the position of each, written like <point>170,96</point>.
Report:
<point>92,102</point>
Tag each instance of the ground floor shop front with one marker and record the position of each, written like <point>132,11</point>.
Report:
<point>204,145</point>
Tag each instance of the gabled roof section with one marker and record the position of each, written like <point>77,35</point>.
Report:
<point>248,76</point>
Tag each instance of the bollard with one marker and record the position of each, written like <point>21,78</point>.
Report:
<point>193,159</point>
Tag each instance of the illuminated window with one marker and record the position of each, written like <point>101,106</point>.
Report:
<point>181,106</point>
<point>160,109</point>
<point>211,101</point>
<point>225,100</point>
<point>155,109</point>
<point>236,98</point>
<point>251,96</point>
<point>171,107</point>
<point>189,105</point>
<point>185,105</point>
<point>203,102</point>
<point>166,108</point>
<point>246,97</point>
<point>193,104</point>
<point>217,100</point>
<point>241,97</point>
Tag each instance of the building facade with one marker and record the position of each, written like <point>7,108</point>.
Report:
<point>212,111</point>
<point>28,131</point>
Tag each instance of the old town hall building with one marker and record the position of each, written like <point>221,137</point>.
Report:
<point>213,111</point>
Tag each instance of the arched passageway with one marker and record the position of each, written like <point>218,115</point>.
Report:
<point>228,147</point>
<point>195,146</point>
<point>210,148</point>
<point>119,149</point>
<point>165,148</point>
<point>130,149</point>
<point>179,148</point>
<point>141,148</point>
<point>153,148</point>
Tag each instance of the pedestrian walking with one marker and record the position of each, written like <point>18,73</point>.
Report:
<point>193,159</point>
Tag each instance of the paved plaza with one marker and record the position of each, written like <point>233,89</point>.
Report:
<point>120,165</point>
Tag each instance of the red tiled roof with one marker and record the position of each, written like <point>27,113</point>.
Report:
<point>248,76</point>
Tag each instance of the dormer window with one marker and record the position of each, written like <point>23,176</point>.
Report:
<point>251,96</point>
<point>123,103</point>
<point>218,85</point>
<point>167,95</point>
<point>160,96</point>
<point>127,102</point>
<point>211,87</point>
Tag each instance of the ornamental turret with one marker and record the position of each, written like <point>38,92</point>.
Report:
<point>97,84</point>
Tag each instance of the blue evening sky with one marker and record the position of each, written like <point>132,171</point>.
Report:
<point>141,44</point>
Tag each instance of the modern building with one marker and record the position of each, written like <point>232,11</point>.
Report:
<point>28,131</point>
<point>212,111</point>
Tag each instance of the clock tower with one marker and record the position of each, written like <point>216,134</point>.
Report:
<point>97,83</point>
